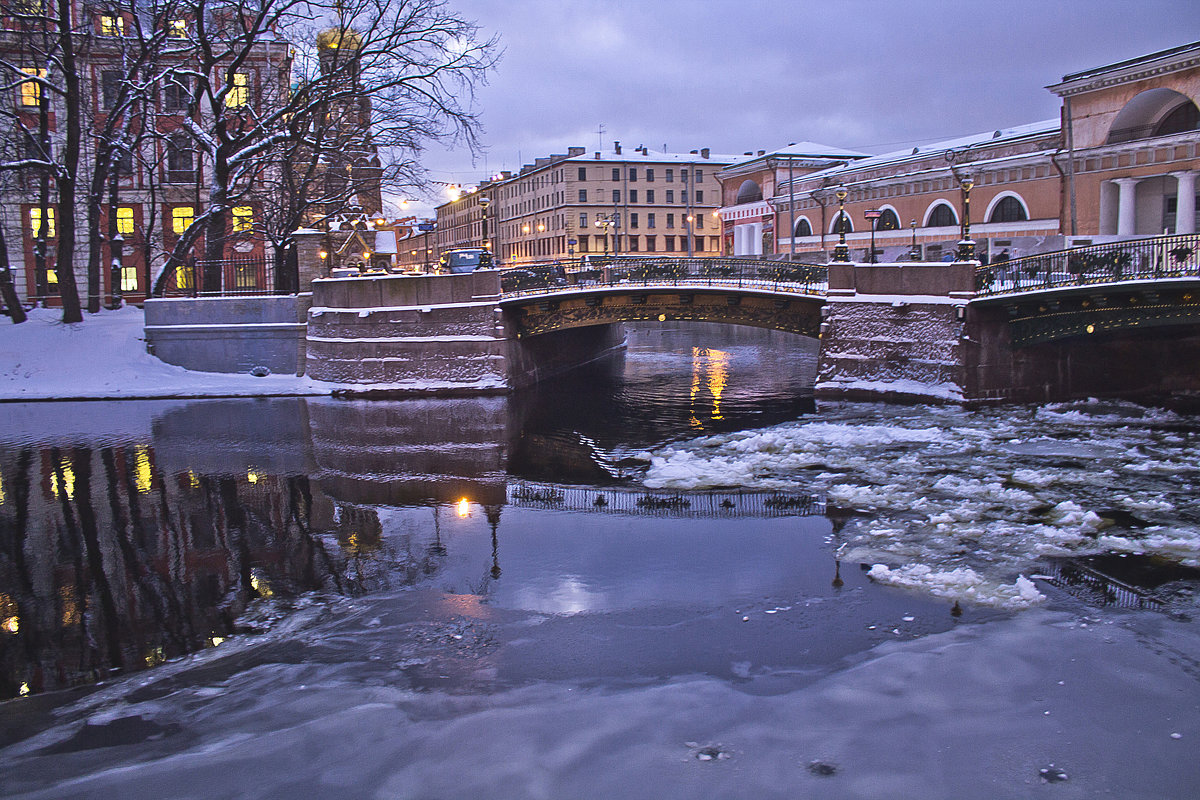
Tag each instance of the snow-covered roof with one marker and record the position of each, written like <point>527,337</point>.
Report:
<point>385,242</point>
<point>961,143</point>
<point>804,150</point>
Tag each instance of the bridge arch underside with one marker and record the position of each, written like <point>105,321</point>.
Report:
<point>1141,345</point>
<point>533,316</point>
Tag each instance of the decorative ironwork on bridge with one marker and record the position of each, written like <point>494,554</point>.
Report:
<point>1134,284</point>
<point>624,500</point>
<point>1134,260</point>
<point>780,295</point>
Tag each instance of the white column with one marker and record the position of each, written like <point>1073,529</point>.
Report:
<point>1185,202</point>
<point>1127,206</point>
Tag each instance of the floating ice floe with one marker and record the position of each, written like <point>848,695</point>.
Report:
<point>962,583</point>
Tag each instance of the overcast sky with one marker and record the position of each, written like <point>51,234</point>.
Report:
<point>738,75</point>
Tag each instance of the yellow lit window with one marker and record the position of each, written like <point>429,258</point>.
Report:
<point>31,91</point>
<point>243,218</point>
<point>111,26</point>
<point>239,90</point>
<point>177,29</point>
<point>35,222</point>
<point>52,277</point>
<point>181,219</point>
<point>183,277</point>
<point>125,221</point>
<point>129,279</point>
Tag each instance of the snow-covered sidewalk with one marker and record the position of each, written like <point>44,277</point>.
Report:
<point>105,357</point>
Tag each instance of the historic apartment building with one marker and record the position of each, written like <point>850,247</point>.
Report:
<point>1120,161</point>
<point>163,178</point>
<point>620,202</point>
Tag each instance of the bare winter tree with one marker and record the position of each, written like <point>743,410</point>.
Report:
<point>39,66</point>
<point>411,65</point>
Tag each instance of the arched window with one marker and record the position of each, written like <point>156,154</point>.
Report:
<point>888,221</point>
<point>802,228</point>
<point>749,192</point>
<point>1009,209</point>
<point>942,216</point>
<point>842,223</point>
<point>1183,119</point>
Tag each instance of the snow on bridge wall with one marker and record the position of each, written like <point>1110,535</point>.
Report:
<point>895,331</point>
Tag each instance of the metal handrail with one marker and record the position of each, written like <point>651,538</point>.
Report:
<point>1176,256</point>
<point>633,272</point>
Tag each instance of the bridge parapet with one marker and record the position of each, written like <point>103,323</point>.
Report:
<point>1129,261</point>
<point>655,272</point>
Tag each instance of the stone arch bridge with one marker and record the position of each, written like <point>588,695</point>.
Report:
<point>1121,319</point>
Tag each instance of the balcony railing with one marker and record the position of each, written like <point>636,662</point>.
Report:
<point>625,271</point>
<point>1133,260</point>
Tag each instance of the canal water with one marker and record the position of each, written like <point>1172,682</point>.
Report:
<point>669,574</point>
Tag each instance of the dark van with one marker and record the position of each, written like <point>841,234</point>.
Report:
<point>466,259</point>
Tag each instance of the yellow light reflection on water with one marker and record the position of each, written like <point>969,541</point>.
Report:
<point>718,376</point>
<point>66,484</point>
<point>463,508</point>
<point>143,476</point>
<point>259,583</point>
<point>10,622</point>
<point>252,476</point>
<point>710,368</point>
<point>69,605</point>
<point>1,490</point>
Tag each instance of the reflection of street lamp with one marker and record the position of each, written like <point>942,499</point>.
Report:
<point>841,252</point>
<point>966,248</point>
<point>872,214</point>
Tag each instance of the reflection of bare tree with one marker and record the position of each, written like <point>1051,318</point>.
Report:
<point>113,564</point>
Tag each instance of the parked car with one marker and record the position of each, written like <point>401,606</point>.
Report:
<point>465,259</point>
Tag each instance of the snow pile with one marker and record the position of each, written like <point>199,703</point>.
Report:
<point>962,583</point>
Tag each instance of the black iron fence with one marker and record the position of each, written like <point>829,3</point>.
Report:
<point>690,272</point>
<point>226,278</point>
<point>1132,260</point>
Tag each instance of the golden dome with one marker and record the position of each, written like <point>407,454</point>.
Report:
<point>334,38</point>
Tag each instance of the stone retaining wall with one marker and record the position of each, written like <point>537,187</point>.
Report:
<point>229,334</point>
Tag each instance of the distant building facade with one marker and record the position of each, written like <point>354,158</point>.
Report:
<point>619,201</point>
<point>1120,161</point>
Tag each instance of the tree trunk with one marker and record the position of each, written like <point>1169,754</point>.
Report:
<point>7,291</point>
<point>65,256</point>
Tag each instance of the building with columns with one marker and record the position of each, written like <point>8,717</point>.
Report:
<point>1119,161</point>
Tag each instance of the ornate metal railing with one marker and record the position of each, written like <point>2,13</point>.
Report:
<point>775,276</point>
<point>1132,260</point>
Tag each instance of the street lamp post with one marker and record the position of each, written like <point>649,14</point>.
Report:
<point>914,254</point>
<point>484,202</point>
<point>604,224</point>
<point>873,214</point>
<point>841,252</point>
<point>966,248</point>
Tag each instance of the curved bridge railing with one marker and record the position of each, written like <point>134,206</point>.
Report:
<point>633,272</point>
<point>1129,261</point>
